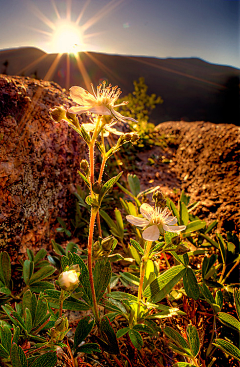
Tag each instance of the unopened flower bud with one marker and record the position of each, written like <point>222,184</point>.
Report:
<point>68,280</point>
<point>58,113</point>
<point>84,166</point>
<point>134,138</point>
<point>107,243</point>
<point>159,199</point>
<point>71,117</point>
<point>61,324</point>
<point>97,187</point>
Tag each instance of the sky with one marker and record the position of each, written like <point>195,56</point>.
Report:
<point>207,29</point>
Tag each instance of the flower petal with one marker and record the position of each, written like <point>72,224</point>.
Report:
<point>147,210</point>
<point>121,117</point>
<point>151,233</point>
<point>88,127</point>
<point>113,130</point>
<point>82,96</point>
<point>136,221</point>
<point>173,228</point>
<point>170,221</point>
<point>99,110</point>
<point>78,109</point>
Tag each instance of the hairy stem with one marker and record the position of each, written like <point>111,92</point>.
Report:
<point>142,273</point>
<point>99,224</point>
<point>90,242</point>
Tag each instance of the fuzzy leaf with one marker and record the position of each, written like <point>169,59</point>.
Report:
<point>184,217</point>
<point>42,273</point>
<point>89,348</point>
<point>70,303</point>
<point>109,335</point>
<point>83,329</point>
<point>134,184</point>
<point>28,268</point>
<point>48,359</point>
<point>177,338</point>
<point>102,276</point>
<point>137,246</point>
<point>122,332</point>
<point>229,320</point>
<point>190,284</point>
<point>183,364</point>
<point>18,357</point>
<point>194,226</point>
<point>193,339</point>
<point>108,185</point>
<point>143,328</point>
<point>58,248</point>
<point>6,337</point>
<point>136,339</point>
<point>5,268</point>
<point>237,301</point>
<point>28,320</point>
<point>228,348</point>
<point>40,255</point>
<point>130,278</point>
<point>41,286</point>
<point>164,283</point>
<point>84,279</point>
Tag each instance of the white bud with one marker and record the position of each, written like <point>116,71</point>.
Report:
<point>68,280</point>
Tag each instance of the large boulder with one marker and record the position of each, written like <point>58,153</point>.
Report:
<point>39,160</point>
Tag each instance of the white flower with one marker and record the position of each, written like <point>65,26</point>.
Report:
<point>157,221</point>
<point>68,280</point>
<point>101,103</point>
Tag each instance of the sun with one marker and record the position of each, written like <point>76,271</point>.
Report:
<point>67,38</point>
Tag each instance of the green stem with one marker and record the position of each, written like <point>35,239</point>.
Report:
<point>223,272</point>
<point>142,273</point>
<point>236,264</point>
<point>90,242</point>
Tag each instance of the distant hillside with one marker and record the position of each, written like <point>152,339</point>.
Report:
<point>192,89</point>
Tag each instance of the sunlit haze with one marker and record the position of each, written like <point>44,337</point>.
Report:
<point>207,29</point>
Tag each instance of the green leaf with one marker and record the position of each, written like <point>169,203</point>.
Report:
<point>16,334</point>
<point>194,226</point>
<point>84,327</point>
<point>135,254</point>
<point>6,337</point>
<point>229,320</point>
<point>190,284</point>
<point>41,286</point>
<point>149,274</point>
<point>143,328</point>
<point>174,209</point>
<point>48,359</point>
<point>210,240</point>
<point>130,278</point>
<point>208,262</point>
<point>30,254</point>
<point>18,357</point>
<point>219,299</point>
<point>64,262</point>
<point>109,336</point>
<point>3,352</point>
<point>42,273</point>
<point>108,185</point>
<point>122,332</point>
<point>72,247</point>
<point>137,246</point>
<point>193,340</point>
<point>183,364</point>
<point>70,303</point>
<point>84,178</point>
<point>134,184</point>
<point>177,338</point>
<point>85,135</point>
<point>169,236</point>
<point>89,348</point>
<point>102,276</point>
<point>30,302</point>
<point>184,217</point>
<point>120,225</point>
<point>5,268</point>
<point>40,255</point>
<point>228,348</point>
<point>41,312</point>
<point>84,279</point>
<point>58,248</point>
<point>28,268</point>
<point>122,296</point>
<point>110,223</point>
<point>136,339</point>
<point>28,320</point>
<point>237,301</point>
<point>179,350</point>
<point>222,247</point>
<point>164,283</point>
<point>184,198</point>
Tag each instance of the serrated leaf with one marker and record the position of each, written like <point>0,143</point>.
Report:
<point>41,312</point>
<point>237,301</point>
<point>179,350</point>
<point>164,283</point>
<point>3,352</point>
<point>190,284</point>
<point>5,268</point>
<point>6,337</point>
<point>137,246</point>
<point>134,184</point>
<point>84,327</point>
<point>136,339</point>
<point>109,336</point>
<point>184,216</point>
<point>102,274</point>
<point>177,338</point>
<point>48,359</point>
<point>130,278</point>
<point>229,320</point>
<point>84,279</point>
<point>64,262</point>
<point>89,348</point>
<point>108,185</point>
<point>122,332</point>
<point>28,268</point>
<point>18,357</point>
<point>228,348</point>
<point>42,274</point>
<point>193,340</point>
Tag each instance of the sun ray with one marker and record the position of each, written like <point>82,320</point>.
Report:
<point>68,72</point>
<point>83,71</point>
<point>41,16</point>
<point>41,58</point>
<point>82,12</point>
<point>55,8</point>
<point>108,8</point>
<point>69,6</point>
<point>52,67</point>
<point>39,31</point>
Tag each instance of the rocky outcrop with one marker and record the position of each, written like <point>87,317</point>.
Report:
<point>206,161</point>
<point>39,160</point>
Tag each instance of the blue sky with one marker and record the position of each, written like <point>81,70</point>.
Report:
<point>208,29</point>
